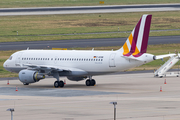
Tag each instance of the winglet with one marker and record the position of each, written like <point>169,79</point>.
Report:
<point>137,42</point>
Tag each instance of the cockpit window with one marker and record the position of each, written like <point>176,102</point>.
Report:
<point>10,58</point>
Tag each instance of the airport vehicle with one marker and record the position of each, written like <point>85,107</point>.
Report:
<point>161,72</point>
<point>34,65</point>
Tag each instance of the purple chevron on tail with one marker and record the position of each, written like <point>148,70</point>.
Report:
<point>137,42</point>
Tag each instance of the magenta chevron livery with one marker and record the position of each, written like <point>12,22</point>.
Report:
<point>136,43</point>
<point>76,65</point>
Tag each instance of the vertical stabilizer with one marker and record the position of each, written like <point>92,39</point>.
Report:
<point>137,42</point>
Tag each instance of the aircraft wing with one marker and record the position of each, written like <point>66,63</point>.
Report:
<point>163,56</point>
<point>46,67</point>
<point>54,69</point>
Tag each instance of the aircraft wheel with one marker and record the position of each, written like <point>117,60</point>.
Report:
<point>93,82</point>
<point>61,83</point>
<point>88,82</point>
<point>56,84</point>
<point>25,83</point>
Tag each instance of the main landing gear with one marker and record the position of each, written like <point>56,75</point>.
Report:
<point>90,81</point>
<point>58,84</point>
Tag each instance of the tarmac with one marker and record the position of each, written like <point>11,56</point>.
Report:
<point>137,95</point>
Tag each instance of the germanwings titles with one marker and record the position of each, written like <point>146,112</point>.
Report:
<point>34,65</point>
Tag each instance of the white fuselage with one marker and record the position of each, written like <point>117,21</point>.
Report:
<point>92,62</point>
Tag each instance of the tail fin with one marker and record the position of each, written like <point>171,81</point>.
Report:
<point>136,44</point>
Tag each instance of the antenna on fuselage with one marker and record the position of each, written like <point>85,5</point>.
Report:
<point>93,49</point>
<point>28,48</point>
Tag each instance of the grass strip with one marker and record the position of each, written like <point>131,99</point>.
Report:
<point>82,23</point>
<point>54,3</point>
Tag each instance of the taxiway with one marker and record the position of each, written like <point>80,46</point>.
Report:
<point>88,9</point>
<point>82,43</point>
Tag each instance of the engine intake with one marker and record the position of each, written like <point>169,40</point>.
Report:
<point>29,76</point>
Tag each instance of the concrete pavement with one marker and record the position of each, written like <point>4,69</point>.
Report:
<point>138,97</point>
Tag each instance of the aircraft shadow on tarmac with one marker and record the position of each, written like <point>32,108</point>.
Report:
<point>46,91</point>
<point>69,90</point>
<point>72,86</point>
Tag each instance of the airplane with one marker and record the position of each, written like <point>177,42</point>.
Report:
<point>77,65</point>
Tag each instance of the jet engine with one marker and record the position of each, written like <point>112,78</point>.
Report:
<point>76,78</point>
<point>30,76</point>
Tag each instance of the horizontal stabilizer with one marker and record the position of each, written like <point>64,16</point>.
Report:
<point>131,58</point>
<point>164,56</point>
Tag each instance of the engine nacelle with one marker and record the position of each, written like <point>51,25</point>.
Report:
<point>29,76</point>
<point>76,78</point>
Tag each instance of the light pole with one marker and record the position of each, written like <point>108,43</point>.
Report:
<point>114,103</point>
<point>178,63</point>
<point>12,110</point>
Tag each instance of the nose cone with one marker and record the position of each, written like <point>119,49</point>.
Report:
<point>5,65</point>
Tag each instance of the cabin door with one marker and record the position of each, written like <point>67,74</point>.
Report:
<point>112,60</point>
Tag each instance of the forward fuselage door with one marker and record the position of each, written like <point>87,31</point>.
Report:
<point>112,60</point>
<point>18,58</point>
